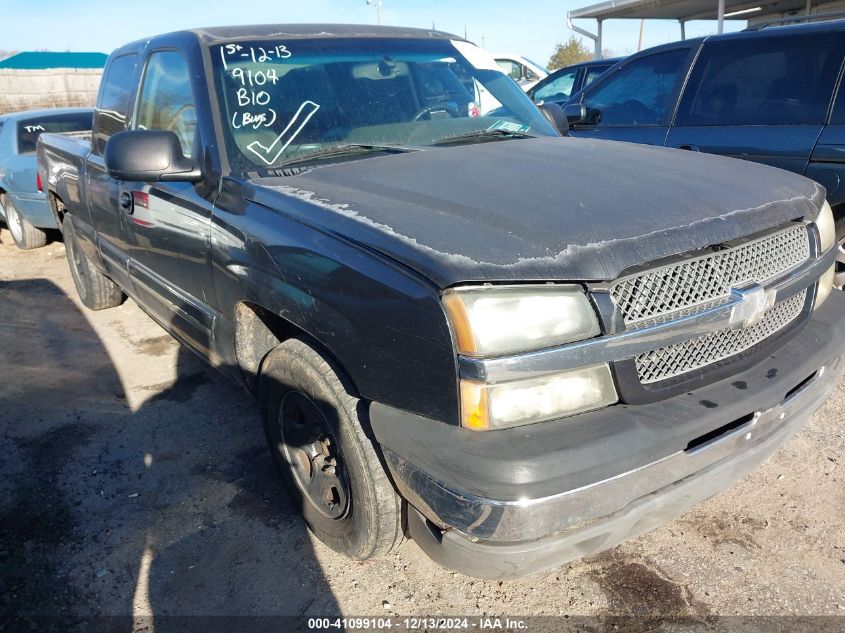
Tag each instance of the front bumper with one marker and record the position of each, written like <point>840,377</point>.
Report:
<point>738,423</point>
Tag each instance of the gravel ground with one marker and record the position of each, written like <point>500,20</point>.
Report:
<point>135,482</point>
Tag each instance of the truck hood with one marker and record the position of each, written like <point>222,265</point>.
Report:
<point>547,209</point>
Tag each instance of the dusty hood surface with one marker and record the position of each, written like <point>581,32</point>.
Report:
<point>540,209</point>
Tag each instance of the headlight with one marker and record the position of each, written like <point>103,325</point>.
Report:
<point>501,405</point>
<point>496,320</point>
<point>827,229</point>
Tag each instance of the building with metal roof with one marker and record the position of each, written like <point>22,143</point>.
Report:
<point>42,60</point>
<point>754,11</point>
<point>35,80</point>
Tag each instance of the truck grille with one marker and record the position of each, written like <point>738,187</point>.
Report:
<point>667,362</point>
<point>694,284</point>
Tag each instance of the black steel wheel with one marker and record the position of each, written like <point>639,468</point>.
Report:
<point>313,456</point>
<point>318,433</point>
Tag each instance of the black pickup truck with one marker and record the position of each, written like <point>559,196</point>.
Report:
<point>514,376</point>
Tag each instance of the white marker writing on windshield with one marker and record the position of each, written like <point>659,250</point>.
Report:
<point>299,120</point>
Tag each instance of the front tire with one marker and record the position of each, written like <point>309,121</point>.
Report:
<point>839,274</point>
<point>96,291</point>
<point>25,235</point>
<point>315,427</point>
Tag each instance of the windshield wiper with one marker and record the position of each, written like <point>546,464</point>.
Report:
<point>482,134</point>
<point>342,150</point>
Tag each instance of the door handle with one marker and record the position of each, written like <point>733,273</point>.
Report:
<point>126,201</point>
<point>690,148</point>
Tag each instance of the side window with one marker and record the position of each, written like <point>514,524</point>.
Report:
<point>767,81</point>
<point>640,93</point>
<point>166,101</point>
<point>530,75</point>
<point>510,68</point>
<point>113,101</point>
<point>557,89</point>
<point>594,73</point>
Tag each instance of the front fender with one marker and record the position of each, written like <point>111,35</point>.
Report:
<point>382,322</point>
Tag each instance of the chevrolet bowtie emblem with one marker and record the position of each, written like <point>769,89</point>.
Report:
<point>751,304</point>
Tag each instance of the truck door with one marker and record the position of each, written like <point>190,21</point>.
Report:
<point>636,101</point>
<point>103,191</point>
<point>759,98</point>
<point>167,224</point>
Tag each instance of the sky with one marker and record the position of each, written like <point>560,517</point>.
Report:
<point>529,27</point>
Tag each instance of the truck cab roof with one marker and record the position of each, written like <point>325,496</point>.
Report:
<point>212,35</point>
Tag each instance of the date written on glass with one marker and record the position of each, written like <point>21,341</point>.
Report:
<point>418,624</point>
<point>257,54</point>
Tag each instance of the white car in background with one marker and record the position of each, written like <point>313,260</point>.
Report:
<point>523,71</point>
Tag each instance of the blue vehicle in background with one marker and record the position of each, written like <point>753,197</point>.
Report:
<point>23,204</point>
<point>770,94</point>
<point>559,86</point>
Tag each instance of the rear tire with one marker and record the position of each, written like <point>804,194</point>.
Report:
<point>25,235</point>
<point>316,430</point>
<point>96,291</point>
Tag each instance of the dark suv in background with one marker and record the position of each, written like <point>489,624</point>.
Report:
<point>559,86</point>
<point>770,95</point>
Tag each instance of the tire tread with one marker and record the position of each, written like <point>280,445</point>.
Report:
<point>384,519</point>
<point>96,291</point>
<point>32,236</point>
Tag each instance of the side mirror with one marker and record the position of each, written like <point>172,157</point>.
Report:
<point>554,113</point>
<point>148,156</point>
<point>575,113</point>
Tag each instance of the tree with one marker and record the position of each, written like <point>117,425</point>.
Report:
<point>570,53</point>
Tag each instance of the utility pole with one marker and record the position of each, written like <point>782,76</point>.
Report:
<point>640,43</point>
<point>377,5</point>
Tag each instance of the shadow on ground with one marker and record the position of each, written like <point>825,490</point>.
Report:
<point>172,509</point>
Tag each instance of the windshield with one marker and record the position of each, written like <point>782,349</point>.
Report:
<point>30,129</point>
<point>284,100</point>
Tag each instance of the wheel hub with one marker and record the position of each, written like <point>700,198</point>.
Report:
<point>14,222</point>
<point>309,447</point>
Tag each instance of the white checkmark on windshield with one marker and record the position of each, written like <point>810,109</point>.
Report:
<point>291,131</point>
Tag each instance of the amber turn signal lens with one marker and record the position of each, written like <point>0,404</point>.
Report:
<point>457,311</point>
<point>474,405</point>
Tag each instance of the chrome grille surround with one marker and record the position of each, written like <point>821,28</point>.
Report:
<point>675,360</point>
<point>679,289</point>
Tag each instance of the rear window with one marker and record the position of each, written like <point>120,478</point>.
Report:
<point>769,81</point>
<point>30,129</point>
<point>113,102</point>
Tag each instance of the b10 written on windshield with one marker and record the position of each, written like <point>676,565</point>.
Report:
<point>254,97</point>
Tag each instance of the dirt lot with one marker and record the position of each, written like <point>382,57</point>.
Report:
<point>135,482</point>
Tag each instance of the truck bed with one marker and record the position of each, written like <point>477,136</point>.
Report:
<point>61,164</point>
